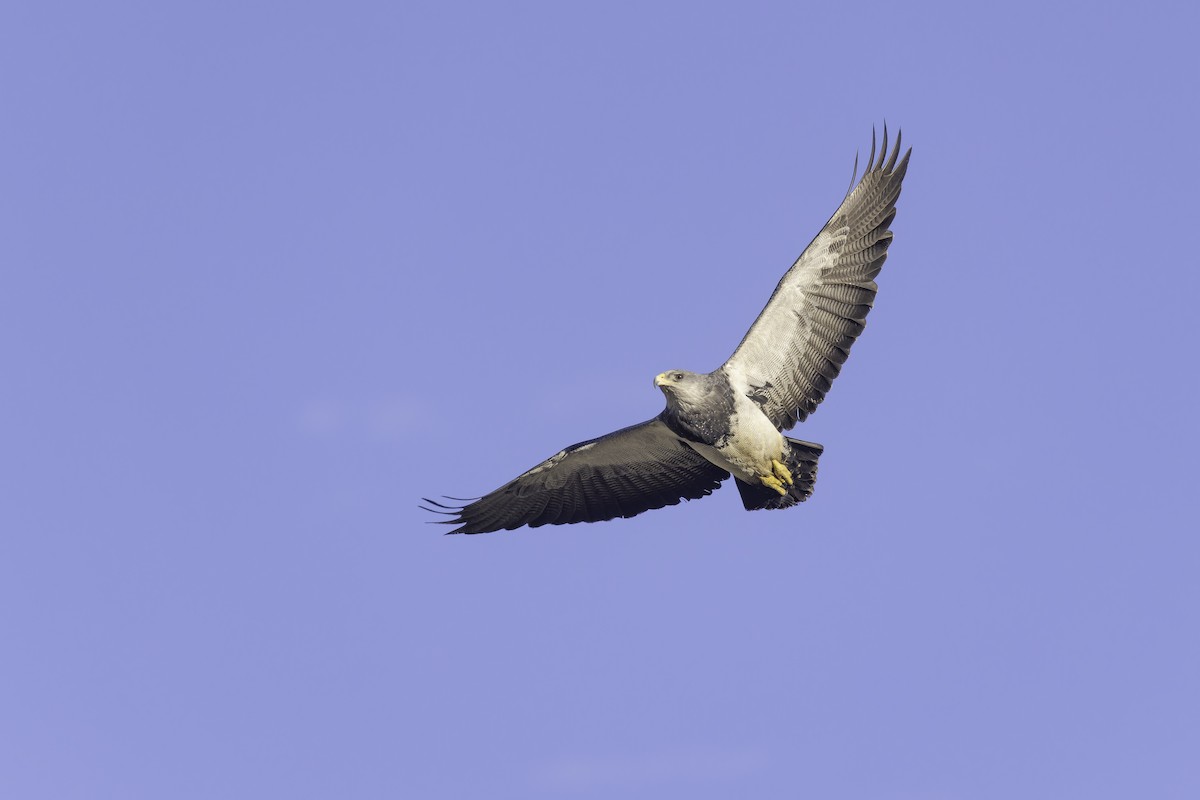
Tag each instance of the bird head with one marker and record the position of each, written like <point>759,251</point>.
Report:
<point>680,384</point>
<point>668,380</point>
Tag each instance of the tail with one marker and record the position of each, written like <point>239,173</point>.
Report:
<point>801,459</point>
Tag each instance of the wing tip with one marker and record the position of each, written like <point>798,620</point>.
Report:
<point>454,512</point>
<point>887,163</point>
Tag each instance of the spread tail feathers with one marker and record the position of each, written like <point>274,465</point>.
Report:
<point>801,459</point>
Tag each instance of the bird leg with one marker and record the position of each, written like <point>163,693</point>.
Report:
<point>781,472</point>
<point>773,482</point>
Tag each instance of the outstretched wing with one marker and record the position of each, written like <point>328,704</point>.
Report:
<point>799,342</point>
<point>622,474</point>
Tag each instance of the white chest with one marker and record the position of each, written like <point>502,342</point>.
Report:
<point>752,443</point>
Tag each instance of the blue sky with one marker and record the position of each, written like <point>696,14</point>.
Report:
<point>271,272</point>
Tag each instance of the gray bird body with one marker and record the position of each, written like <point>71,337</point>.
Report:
<point>731,420</point>
<point>720,423</point>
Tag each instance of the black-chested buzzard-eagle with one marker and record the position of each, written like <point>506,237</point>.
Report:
<point>728,420</point>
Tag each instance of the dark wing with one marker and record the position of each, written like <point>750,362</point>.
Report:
<point>622,474</point>
<point>799,342</point>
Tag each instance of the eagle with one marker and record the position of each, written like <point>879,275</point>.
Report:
<point>729,421</point>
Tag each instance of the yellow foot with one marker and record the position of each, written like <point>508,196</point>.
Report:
<point>773,482</point>
<point>782,472</point>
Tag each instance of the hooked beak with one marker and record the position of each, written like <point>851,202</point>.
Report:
<point>662,380</point>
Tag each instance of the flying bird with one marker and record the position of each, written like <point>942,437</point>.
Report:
<point>730,420</point>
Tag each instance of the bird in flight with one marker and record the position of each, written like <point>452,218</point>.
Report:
<point>730,420</point>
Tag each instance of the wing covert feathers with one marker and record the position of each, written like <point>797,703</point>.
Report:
<point>796,347</point>
<point>629,471</point>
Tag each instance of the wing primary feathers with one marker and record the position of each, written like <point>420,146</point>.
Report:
<point>443,505</point>
<point>891,164</point>
<point>853,175</point>
<point>871,158</point>
<point>438,511</point>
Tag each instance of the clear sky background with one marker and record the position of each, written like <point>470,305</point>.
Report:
<point>270,272</point>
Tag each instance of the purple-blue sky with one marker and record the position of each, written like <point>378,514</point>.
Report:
<point>271,272</point>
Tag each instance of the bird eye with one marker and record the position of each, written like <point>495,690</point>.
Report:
<point>678,376</point>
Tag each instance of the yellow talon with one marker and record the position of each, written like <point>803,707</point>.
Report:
<point>782,472</point>
<point>774,483</point>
